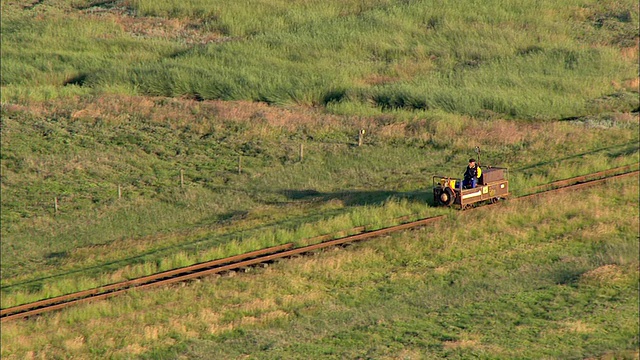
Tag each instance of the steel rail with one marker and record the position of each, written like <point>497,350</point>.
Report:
<point>272,253</point>
<point>580,183</point>
<point>583,178</point>
<point>179,275</point>
<point>139,281</point>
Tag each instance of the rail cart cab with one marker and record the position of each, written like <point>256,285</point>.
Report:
<point>492,186</point>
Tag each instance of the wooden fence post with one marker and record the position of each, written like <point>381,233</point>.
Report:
<point>181,178</point>
<point>360,137</point>
<point>55,204</point>
<point>301,152</point>
<point>119,192</point>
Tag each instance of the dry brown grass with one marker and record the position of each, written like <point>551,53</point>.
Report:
<point>411,69</point>
<point>133,349</point>
<point>501,132</point>
<point>581,13</point>
<point>406,354</point>
<point>461,344</point>
<point>190,31</point>
<point>202,117</point>
<point>606,274</point>
<point>378,79</point>
<point>298,299</point>
<point>217,327</point>
<point>631,53</point>
<point>258,305</point>
<point>74,344</point>
<point>183,325</point>
<point>578,326</point>
<point>633,84</point>
<point>617,355</point>
<point>153,332</point>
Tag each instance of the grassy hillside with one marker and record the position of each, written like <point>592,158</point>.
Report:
<point>520,59</point>
<point>81,151</point>
<point>552,278</point>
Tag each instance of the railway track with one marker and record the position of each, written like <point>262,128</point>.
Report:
<point>278,252</point>
<point>584,179</point>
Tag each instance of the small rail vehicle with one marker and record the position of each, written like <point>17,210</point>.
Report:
<point>491,187</point>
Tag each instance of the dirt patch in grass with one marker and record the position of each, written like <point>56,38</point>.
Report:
<point>185,30</point>
<point>603,274</point>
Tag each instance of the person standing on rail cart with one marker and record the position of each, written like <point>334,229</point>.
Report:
<point>471,175</point>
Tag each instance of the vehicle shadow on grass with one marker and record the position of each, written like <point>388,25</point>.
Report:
<point>349,198</point>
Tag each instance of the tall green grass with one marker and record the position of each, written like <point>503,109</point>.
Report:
<point>505,58</point>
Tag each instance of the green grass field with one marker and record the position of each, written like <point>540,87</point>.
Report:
<point>105,104</point>
<point>552,278</point>
<point>157,224</point>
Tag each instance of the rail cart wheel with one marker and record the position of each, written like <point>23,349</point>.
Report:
<point>446,197</point>
<point>494,200</point>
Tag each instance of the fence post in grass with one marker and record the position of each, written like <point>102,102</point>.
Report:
<point>301,152</point>
<point>360,137</point>
<point>119,192</point>
<point>239,164</point>
<point>181,178</point>
<point>55,204</point>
